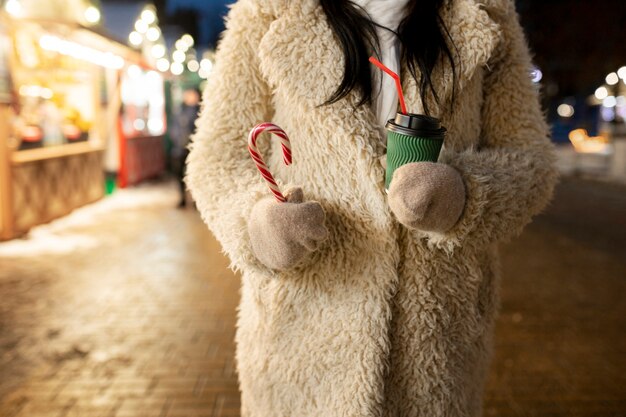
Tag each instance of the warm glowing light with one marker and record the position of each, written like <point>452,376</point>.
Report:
<point>117,62</point>
<point>153,77</point>
<point>36,91</point>
<point>163,64</point>
<point>193,65</point>
<point>187,39</point>
<point>610,101</point>
<point>585,144</point>
<point>85,53</point>
<point>155,126</point>
<point>607,113</point>
<point>158,51</point>
<point>13,7</point>
<point>92,14</point>
<point>134,71</point>
<point>206,64</point>
<point>153,34</point>
<point>46,93</point>
<point>135,38</point>
<point>622,73</point>
<point>181,45</point>
<point>612,78</point>
<point>536,75</point>
<point>139,124</point>
<point>178,56</point>
<point>601,93</point>
<point>565,110</point>
<point>177,68</point>
<point>148,16</point>
<point>141,26</point>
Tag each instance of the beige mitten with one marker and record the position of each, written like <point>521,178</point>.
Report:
<point>281,234</point>
<point>427,196</point>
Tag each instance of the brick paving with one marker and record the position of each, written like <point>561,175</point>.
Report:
<point>126,309</point>
<point>140,323</point>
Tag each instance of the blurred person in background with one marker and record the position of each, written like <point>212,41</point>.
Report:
<point>356,301</point>
<point>185,128</point>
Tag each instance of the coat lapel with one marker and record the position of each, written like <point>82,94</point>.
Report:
<point>301,60</point>
<point>300,55</point>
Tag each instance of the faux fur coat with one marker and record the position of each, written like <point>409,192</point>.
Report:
<point>381,320</point>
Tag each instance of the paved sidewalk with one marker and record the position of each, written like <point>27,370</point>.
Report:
<point>561,337</point>
<point>126,309</point>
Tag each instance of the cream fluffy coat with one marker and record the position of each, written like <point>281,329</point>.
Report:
<point>381,320</point>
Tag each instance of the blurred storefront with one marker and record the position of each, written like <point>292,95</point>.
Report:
<point>72,99</point>
<point>595,130</point>
<point>141,125</point>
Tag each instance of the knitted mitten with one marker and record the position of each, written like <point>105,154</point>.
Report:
<point>427,196</point>
<point>281,234</point>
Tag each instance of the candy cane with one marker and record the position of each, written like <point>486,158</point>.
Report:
<point>258,159</point>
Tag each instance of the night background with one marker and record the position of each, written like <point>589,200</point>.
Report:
<point>575,42</point>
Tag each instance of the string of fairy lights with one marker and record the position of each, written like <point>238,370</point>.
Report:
<point>15,8</point>
<point>612,95</point>
<point>148,37</point>
<point>145,36</point>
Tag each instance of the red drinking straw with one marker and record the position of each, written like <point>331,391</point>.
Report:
<point>396,78</point>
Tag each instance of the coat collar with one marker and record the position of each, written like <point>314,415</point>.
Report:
<point>301,59</point>
<point>300,50</point>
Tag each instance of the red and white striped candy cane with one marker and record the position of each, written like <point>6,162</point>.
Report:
<point>258,159</point>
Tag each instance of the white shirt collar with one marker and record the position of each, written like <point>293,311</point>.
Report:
<point>387,13</point>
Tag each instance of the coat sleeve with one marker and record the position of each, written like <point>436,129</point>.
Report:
<point>510,177</point>
<point>221,175</point>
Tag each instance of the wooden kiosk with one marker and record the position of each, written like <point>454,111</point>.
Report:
<point>60,111</point>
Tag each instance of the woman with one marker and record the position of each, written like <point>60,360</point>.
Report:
<point>355,302</point>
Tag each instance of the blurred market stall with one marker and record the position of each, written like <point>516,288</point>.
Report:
<point>69,92</point>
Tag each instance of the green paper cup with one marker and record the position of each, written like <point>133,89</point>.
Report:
<point>412,138</point>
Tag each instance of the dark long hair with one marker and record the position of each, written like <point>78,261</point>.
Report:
<point>422,34</point>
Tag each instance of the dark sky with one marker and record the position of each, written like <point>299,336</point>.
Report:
<point>204,19</point>
<point>208,16</point>
<point>576,42</point>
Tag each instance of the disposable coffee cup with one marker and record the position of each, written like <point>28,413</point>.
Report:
<point>412,138</point>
